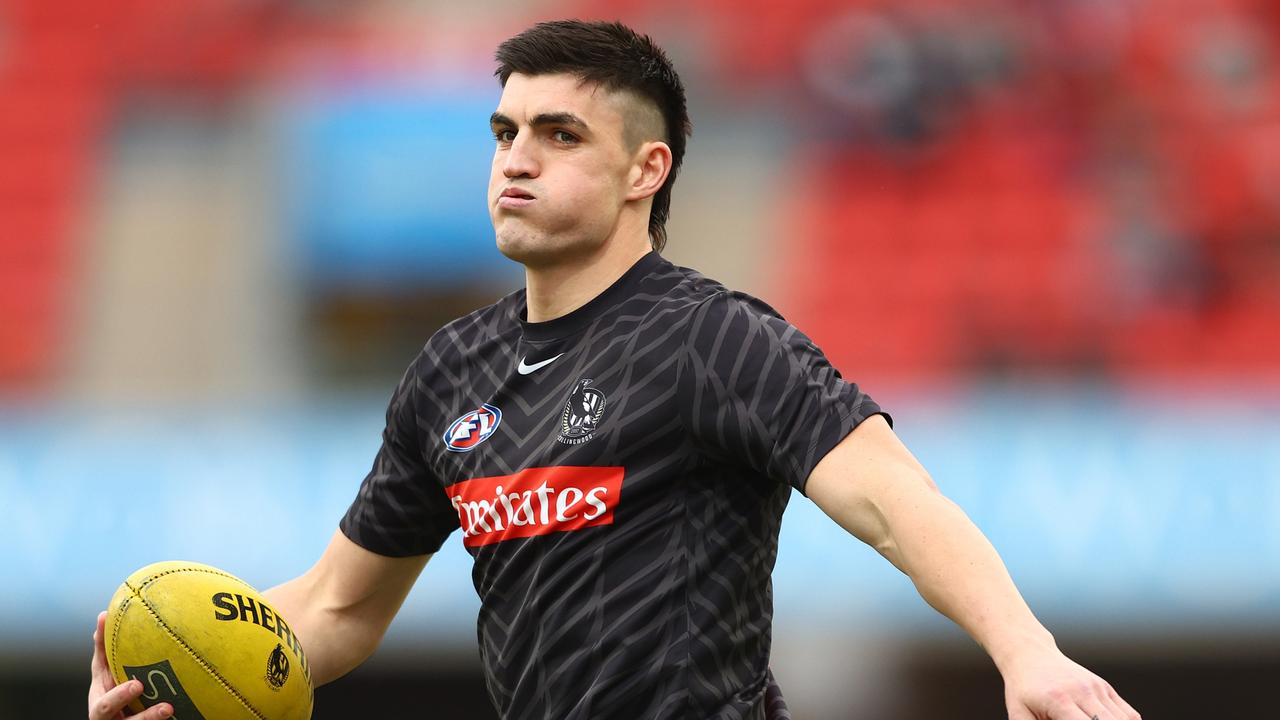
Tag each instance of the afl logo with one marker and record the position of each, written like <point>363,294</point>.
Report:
<point>472,429</point>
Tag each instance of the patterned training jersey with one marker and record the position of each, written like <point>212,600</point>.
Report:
<point>618,475</point>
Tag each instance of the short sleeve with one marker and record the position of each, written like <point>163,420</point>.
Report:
<point>759,392</point>
<point>401,509</point>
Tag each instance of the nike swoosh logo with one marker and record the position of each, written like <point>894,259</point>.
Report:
<point>526,369</point>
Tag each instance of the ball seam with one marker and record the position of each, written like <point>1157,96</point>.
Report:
<point>115,630</point>
<point>152,578</point>
<point>182,643</point>
<point>204,569</point>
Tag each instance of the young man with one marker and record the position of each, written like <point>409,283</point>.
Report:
<point>617,443</point>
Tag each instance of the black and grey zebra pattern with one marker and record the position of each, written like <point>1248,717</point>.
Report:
<point>715,408</point>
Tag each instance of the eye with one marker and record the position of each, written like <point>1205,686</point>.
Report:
<point>504,136</point>
<point>563,137</point>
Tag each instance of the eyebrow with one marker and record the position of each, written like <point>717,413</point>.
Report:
<point>567,119</point>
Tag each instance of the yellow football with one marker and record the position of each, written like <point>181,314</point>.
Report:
<point>204,641</point>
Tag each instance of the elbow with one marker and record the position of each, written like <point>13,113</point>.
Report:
<point>898,511</point>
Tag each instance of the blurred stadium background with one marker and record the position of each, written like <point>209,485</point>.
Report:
<point>1045,234</point>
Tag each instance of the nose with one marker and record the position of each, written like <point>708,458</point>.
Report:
<point>521,159</point>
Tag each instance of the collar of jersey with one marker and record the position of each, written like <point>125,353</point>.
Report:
<point>579,319</point>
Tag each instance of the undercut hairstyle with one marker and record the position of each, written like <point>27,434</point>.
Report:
<point>615,57</point>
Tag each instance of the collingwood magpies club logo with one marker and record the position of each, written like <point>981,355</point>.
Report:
<point>277,668</point>
<point>582,413</point>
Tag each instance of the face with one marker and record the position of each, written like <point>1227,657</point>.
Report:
<point>561,168</point>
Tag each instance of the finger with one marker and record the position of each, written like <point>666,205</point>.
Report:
<point>1098,713</point>
<point>1127,711</point>
<point>113,702</point>
<point>1069,711</point>
<point>100,672</point>
<point>1061,710</point>
<point>155,712</point>
<point>1113,708</point>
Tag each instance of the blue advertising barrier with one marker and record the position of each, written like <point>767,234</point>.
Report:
<point>1155,514</point>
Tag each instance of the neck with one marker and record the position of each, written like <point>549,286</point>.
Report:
<point>557,289</point>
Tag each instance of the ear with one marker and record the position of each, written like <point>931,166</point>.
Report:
<point>649,169</point>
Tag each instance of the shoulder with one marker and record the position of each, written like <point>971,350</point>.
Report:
<point>729,304</point>
<point>472,334</point>
<point>696,296</point>
<point>708,295</point>
<point>706,311</point>
<point>686,284</point>
<point>438,368</point>
<point>732,315</point>
<point>490,321</point>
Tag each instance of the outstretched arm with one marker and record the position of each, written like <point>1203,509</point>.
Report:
<point>341,607</point>
<point>873,487</point>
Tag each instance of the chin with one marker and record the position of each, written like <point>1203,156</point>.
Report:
<point>536,244</point>
<point>526,248</point>
<point>516,243</point>
<point>540,250</point>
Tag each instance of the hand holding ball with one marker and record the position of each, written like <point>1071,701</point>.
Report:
<point>205,642</point>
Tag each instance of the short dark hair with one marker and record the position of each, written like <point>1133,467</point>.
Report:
<point>615,57</point>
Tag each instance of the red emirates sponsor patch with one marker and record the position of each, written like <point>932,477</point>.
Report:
<point>536,501</point>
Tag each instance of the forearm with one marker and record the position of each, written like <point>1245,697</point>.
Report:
<point>958,572</point>
<point>340,608</point>
<point>334,641</point>
<point>872,485</point>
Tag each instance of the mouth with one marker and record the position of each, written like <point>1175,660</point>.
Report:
<point>514,198</point>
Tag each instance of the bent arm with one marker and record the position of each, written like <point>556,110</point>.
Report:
<point>341,607</point>
<point>873,487</point>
